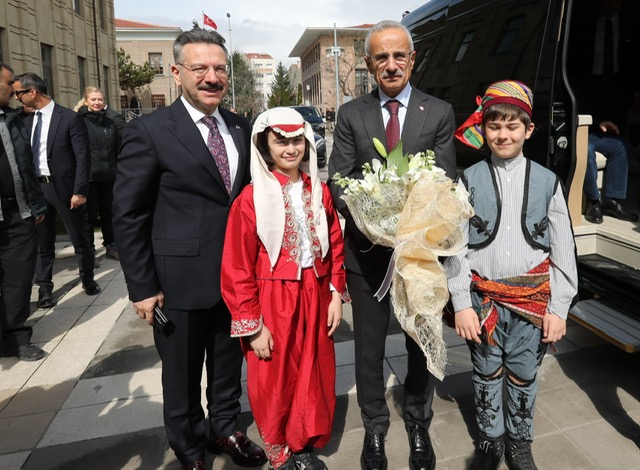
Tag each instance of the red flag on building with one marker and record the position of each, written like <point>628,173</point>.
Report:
<point>209,22</point>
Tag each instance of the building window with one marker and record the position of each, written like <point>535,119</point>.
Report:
<point>82,71</point>
<point>105,88</point>
<point>358,47</point>
<point>509,35</point>
<point>158,101</point>
<point>102,14</point>
<point>46,53</point>
<point>77,6</point>
<point>155,61</point>
<point>466,40</point>
<point>362,82</point>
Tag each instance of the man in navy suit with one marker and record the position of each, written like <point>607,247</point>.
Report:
<point>425,122</point>
<point>60,143</point>
<point>179,170</point>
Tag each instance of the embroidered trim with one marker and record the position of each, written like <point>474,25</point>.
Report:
<point>290,239</point>
<point>245,327</point>
<point>316,249</point>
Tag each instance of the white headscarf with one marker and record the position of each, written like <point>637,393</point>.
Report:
<point>267,191</point>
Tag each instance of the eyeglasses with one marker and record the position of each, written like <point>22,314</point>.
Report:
<point>200,71</point>
<point>399,57</point>
<point>19,93</point>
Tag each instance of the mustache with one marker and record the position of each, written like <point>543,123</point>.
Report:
<point>212,87</point>
<point>395,73</point>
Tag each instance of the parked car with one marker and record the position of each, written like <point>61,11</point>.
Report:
<point>321,150</point>
<point>313,117</point>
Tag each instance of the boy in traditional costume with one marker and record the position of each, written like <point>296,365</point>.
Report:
<point>512,287</point>
<point>284,282</point>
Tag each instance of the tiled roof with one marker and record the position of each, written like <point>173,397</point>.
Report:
<point>136,24</point>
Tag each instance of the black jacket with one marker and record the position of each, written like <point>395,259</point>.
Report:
<point>104,141</point>
<point>20,136</point>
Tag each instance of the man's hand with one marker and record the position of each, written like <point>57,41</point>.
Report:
<point>262,343</point>
<point>468,325</point>
<point>77,200</point>
<point>609,127</point>
<point>335,312</point>
<point>553,328</point>
<point>144,308</point>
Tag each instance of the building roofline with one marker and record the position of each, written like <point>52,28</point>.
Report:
<point>311,35</point>
<point>127,25</point>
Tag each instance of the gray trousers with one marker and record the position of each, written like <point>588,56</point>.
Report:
<point>518,352</point>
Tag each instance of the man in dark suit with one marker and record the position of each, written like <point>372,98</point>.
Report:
<point>425,123</point>
<point>179,170</point>
<point>60,143</point>
<point>22,205</point>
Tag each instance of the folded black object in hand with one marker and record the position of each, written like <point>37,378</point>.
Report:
<point>162,323</point>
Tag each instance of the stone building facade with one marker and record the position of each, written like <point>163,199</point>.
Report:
<point>150,43</point>
<point>70,44</point>
<point>315,48</point>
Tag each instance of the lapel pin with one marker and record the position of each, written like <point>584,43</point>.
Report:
<point>421,108</point>
<point>237,126</point>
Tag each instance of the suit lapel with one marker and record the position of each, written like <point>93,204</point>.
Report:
<point>56,118</point>
<point>414,120</point>
<point>238,140</point>
<point>189,136</point>
<point>371,116</point>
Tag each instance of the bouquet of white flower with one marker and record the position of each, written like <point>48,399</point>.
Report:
<point>407,203</point>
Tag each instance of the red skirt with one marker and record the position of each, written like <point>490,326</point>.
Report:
<point>292,396</point>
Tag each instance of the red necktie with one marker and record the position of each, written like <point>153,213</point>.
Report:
<point>218,150</point>
<point>393,125</point>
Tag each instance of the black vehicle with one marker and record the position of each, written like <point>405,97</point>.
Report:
<point>462,46</point>
<point>313,117</point>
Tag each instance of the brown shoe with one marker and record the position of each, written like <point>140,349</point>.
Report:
<point>243,451</point>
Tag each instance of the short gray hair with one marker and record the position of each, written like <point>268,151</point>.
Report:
<point>197,36</point>
<point>381,26</point>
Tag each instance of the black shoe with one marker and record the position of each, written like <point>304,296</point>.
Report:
<point>288,465</point>
<point>195,465</point>
<point>243,451</point>
<point>594,212</point>
<point>91,288</point>
<point>30,353</point>
<point>518,455</point>
<point>422,456</point>
<point>112,252</point>
<point>308,460</point>
<point>373,457</point>
<point>45,300</point>
<point>489,453</point>
<point>614,209</point>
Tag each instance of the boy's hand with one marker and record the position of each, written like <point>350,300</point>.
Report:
<point>553,328</point>
<point>262,343</point>
<point>335,312</point>
<point>468,325</point>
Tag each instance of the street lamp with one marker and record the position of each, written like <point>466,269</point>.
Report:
<point>336,52</point>
<point>233,90</point>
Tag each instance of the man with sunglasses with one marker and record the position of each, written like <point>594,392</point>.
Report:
<point>60,143</point>
<point>393,110</point>
<point>22,205</point>
<point>179,170</point>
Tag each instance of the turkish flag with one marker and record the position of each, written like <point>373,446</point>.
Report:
<point>209,22</point>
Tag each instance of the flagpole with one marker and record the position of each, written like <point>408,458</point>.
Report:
<point>233,91</point>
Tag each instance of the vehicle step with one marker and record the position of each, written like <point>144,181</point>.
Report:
<point>614,326</point>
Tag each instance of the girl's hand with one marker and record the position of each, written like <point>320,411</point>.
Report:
<point>468,325</point>
<point>553,328</point>
<point>335,312</point>
<point>262,343</point>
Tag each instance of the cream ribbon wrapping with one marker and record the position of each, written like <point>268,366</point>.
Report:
<point>421,224</point>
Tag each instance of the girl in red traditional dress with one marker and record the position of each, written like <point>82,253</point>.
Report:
<point>284,282</point>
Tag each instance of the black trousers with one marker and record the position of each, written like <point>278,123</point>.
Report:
<point>74,222</point>
<point>201,337</point>
<point>18,244</point>
<point>99,203</point>
<point>370,325</point>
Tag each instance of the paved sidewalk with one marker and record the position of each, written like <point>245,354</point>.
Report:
<point>95,401</point>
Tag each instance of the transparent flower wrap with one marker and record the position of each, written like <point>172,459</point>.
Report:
<point>410,205</point>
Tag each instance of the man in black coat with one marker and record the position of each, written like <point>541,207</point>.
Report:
<point>171,202</point>
<point>22,206</point>
<point>61,151</point>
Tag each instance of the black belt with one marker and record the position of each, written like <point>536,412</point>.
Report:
<point>45,179</point>
<point>9,202</point>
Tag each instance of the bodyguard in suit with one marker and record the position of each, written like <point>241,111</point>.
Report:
<point>22,206</point>
<point>60,145</point>
<point>179,170</point>
<point>423,122</point>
